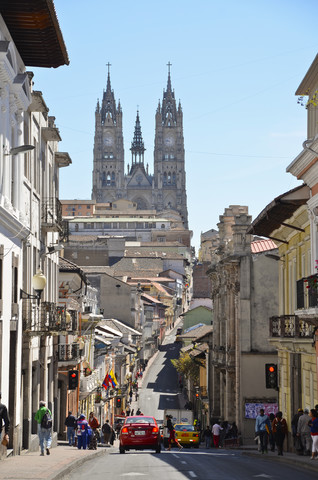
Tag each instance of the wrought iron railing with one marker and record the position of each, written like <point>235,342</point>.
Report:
<point>290,326</point>
<point>51,214</point>
<point>47,318</point>
<point>68,352</point>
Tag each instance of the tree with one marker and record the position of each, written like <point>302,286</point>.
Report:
<point>187,367</point>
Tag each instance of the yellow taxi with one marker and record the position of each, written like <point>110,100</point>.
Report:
<point>187,435</point>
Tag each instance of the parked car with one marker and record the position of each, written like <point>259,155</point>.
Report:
<point>140,433</point>
<point>187,435</point>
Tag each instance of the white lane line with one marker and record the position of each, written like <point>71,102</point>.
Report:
<point>192,474</point>
<point>184,463</point>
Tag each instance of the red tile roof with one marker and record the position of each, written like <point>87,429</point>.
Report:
<point>262,246</point>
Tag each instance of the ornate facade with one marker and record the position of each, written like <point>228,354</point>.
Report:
<point>165,189</point>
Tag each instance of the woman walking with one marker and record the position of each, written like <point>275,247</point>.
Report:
<point>279,429</point>
<point>314,433</point>
<point>172,438</point>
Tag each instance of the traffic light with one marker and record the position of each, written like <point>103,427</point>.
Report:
<point>72,379</point>
<point>118,402</point>
<point>271,375</point>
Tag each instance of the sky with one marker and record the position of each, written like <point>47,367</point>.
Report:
<point>236,66</point>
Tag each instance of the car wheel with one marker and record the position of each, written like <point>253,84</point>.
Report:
<point>121,449</point>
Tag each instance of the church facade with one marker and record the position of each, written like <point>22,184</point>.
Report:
<point>163,190</point>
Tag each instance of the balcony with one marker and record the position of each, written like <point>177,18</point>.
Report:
<point>51,215</point>
<point>47,318</point>
<point>290,326</point>
<point>68,353</point>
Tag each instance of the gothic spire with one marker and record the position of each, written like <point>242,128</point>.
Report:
<point>137,145</point>
<point>109,103</point>
<point>169,110</point>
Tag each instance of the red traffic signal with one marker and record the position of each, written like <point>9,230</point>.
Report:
<point>271,375</point>
<point>72,379</point>
<point>118,402</point>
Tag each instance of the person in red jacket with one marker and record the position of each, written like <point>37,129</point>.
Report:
<point>279,428</point>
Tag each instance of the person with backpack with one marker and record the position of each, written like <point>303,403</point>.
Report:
<point>43,417</point>
<point>279,428</point>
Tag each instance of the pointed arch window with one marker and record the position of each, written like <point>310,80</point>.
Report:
<point>174,178</point>
<point>108,179</point>
<point>113,179</point>
<point>165,178</point>
<point>169,178</point>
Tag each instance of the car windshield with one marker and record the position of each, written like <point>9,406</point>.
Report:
<point>140,420</point>
<point>184,428</point>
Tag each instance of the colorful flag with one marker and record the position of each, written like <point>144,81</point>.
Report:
<point>106,381</point>
<point>113,379</point>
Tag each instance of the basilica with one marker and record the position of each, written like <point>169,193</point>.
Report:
<point>163,190</point>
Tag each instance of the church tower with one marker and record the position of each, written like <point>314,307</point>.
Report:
<point>169,166</point>
<point>109,166</point>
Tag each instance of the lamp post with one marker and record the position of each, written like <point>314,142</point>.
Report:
<point>38,283</point>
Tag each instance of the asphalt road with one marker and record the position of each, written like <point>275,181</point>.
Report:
<point>188,464</point>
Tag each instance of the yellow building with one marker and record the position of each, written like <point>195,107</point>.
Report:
<point>286,221</point>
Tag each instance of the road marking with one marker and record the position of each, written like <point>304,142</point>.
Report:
<point>132,474</point>
<point>192,474</point>
<point>184,463</point>
<point>263,475</point>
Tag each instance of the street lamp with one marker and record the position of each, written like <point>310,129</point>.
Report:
<point>21,149</point>
<point>38,283</point>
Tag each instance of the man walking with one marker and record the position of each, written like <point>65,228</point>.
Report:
<point>262,429</point>
<point>4,419</point>
<point>44,432</point>
<point>107,432</point>
<point>216,430</point>
<point>70,423</point>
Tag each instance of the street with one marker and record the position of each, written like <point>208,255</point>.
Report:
<point>160,391</point>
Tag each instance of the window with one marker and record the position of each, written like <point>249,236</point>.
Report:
<point>161,239</point>
<point>163,225</point>
<point>76,227</point>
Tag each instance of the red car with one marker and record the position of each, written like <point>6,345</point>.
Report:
<point>140,433</point>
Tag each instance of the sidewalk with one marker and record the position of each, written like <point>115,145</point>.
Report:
<point>299,461</point>
<point>62,460</point>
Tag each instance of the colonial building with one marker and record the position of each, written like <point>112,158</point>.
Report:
<point>244,279</point>
<point>165,189</point>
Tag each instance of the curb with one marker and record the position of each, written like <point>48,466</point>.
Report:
<point>74,464</point>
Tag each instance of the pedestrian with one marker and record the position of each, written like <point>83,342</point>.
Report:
<point>82,432</point>
<point>271,437</point>
<point>216,430</point>
<point>297,440</point>
<point>132,412</point>
<point>314,433</point>
<point>138,411</point>
<point>130,395</point>
<point>91,438</point>
<point>70,423</point>
<point>224,432</point>
<point>43,417</point>
<point>303,431</point>
<point>207,434</point>
<point>136,395</point>
<point>4,419</point>
<point>172,437</point>
<point>279,430</point>
<point>93,421</point>
<point>127,411</point>
<point>262,429</point>
<point>233,432</point>
<point>107,432</point>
